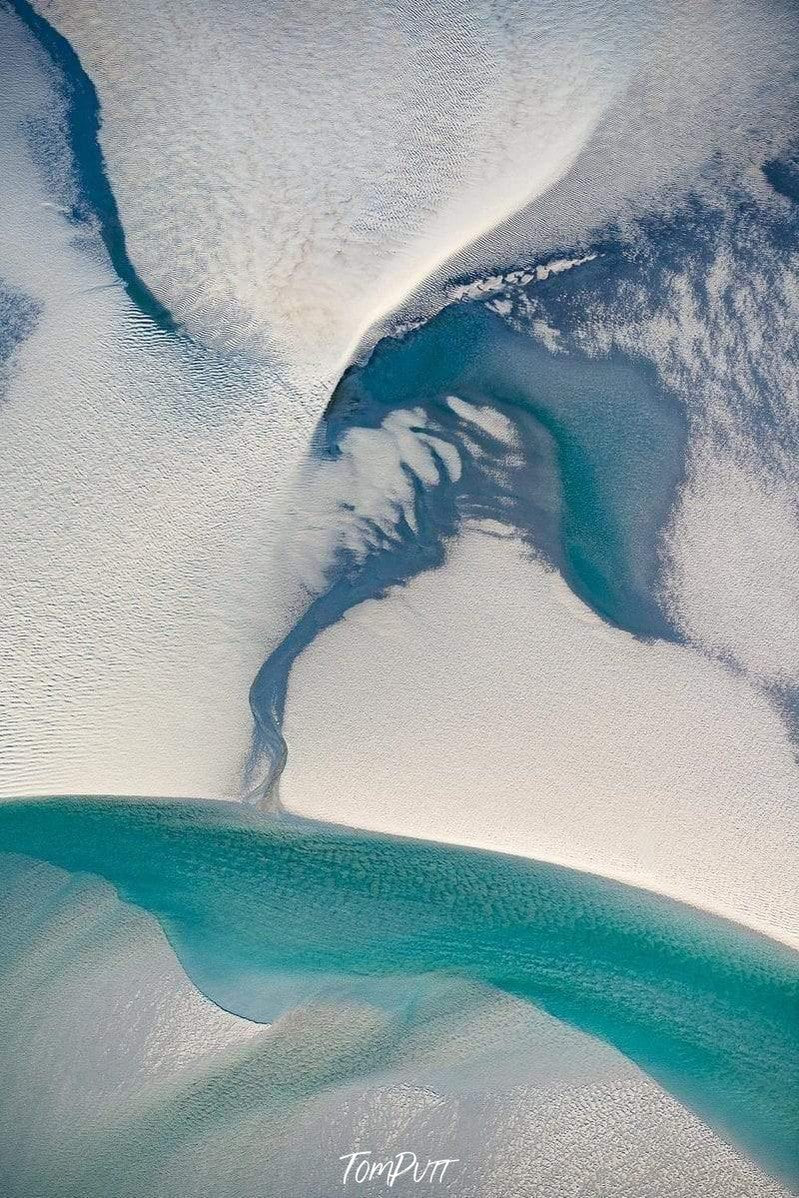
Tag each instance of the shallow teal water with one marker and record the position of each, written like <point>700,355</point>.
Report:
<point>619,438</point>
<point>708,1009</point>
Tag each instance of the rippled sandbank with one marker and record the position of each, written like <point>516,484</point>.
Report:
<point>706,1007</point>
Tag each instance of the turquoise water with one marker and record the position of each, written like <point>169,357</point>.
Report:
<point>588,486</point>
<point>618,438</point>
<point>708,1009</point>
